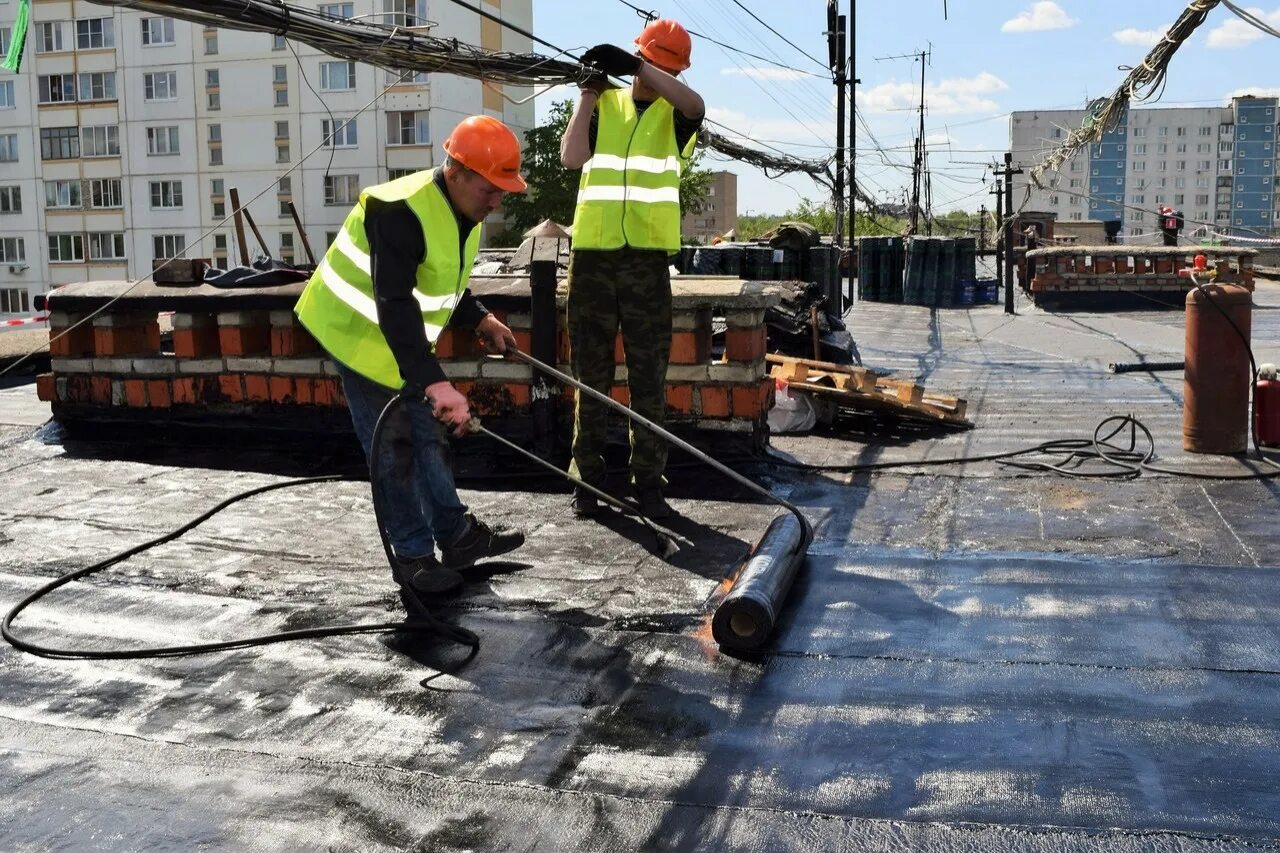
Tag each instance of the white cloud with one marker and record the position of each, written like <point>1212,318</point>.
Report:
<point>1235,32</point>
<point>754,127</point>
<point>1257,92</point>
<point>773,74</point>
<point>1043,15</point>
<point>942,138</point>
<point>1133,35</point>
<point>949,96</point>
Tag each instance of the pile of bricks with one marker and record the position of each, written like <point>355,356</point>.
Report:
<point>160,352</point>
<point>1068,270</point>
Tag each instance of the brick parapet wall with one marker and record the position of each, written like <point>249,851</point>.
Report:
<point>1118,269</point>
<point>242,359</point>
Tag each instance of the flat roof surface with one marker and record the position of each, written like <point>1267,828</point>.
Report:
<point>974,658</point>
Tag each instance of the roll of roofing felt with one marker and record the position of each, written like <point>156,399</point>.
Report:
<point>747,616</point>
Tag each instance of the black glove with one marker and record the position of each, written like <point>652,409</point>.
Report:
<point>597,83</point>
<point>612,59</point>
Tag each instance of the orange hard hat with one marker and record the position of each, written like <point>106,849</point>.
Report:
<point>666,44</point>
<point>487,147</point>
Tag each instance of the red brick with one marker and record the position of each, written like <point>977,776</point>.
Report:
<point>524,341</point>
<point>292,340</point>
<point>100,390</point>
<point>680,398</point>
<point>714,401</point>
<point>151,337</point>
<point>745,344</point>
<point>256,388</point>
<point>1122,266</point>
<point>76,343</point>
<point>1104,266</point>
<point>159,393</point>
<point>1140,266</point>
<point>184,391</point>
<point>79,389</point>
<point>684,348</point>
<point>135,393</point>
<point>749,400</point>
<point>200,342</point>
<point>621,393</point>
<point>1163,266</point>
<point>519,393</point>
<point>46,388</point>
<point>231,387</point>
<point>244,340</point>
<point>109,341</point>
<point>304,390</point>
<point>280,389</point>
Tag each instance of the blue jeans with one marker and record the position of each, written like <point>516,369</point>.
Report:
<point>413,478</point>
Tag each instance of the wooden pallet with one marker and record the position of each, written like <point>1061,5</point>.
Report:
<point>860,389</point>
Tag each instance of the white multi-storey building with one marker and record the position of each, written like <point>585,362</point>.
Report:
<point>124,133</point>
<point>1215,164</point>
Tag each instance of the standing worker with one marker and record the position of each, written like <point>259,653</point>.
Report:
<point>632,145</point>
<point>394,278</point>
<point>1170,224</point>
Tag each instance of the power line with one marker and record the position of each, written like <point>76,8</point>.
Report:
<point>738,3</point>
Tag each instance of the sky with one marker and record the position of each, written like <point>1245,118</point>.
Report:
<point>987,58</point>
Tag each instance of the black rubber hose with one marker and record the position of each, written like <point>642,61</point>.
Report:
<point>429,625</point>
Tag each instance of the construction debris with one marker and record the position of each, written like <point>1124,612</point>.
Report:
<point>858,389</point>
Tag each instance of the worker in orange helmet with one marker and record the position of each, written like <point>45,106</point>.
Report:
<point>632,146</point>
<point>390,283</point>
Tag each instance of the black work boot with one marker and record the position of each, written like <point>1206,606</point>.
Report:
<point>426,575</point>
<point>585,503</point>
<point>652,504</point>
<point>478,541</point>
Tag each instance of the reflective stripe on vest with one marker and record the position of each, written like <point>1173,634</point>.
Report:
<point>629,194</point>
<point>338,306</point>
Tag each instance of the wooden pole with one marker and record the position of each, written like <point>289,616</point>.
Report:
<point>306,244</point>
<point>240,241</point>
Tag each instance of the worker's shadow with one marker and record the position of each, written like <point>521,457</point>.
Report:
<point>680,541</point>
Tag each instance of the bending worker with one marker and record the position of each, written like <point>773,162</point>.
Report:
<point>631,145</point>
<point>394,278</point>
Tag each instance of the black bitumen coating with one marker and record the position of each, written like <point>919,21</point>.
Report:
<point>996,661</point>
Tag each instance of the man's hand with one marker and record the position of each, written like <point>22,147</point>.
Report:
<point>495,334</point>
<point>613,60</point>
<point>449,407</point>
<point>597,84</point>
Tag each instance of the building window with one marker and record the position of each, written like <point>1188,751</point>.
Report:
<point>282,153</point>
<point>13,300</point>
<point>337,76</point>
<point>1075,164</point>
<point>168,246</point>
<point>11,199</point>
<point>12,250</point>
<point>106,246</point>
<point>64,194</point>
<point>277,42</point>
<point>215,133</point>
<point>1164,131</point>
<point>210,42</point>
<point>1140,166</point>
<point>1137,198</point>
<point>1162,166</point>
<point>157,31</point>
<point>412,128</point>
<point>286,246</point>
<point>8,147</point>
<point>98,86</point>
<point>94,33</point>
<point>215,156</point>
<point>282,131</point>
<point>341,189</point>
<point>1139,131</point>
<point>280,81</point>
<point>1074,183</point>
<point>338,10</point>
<point>343,132</point>
<point>1056,133</point>
<point>49,37</point>
<point>53,89</point>
<point>1224,165</point>
<point>66,248</point>
<point>6,95</point>
<point>1202,199</point>
<point>212,78</point>
<point>398,78</point>
<point>404,13</point>
<point>160,86</point>
<point>6,35</point>
<point>392,174</point>
<point>1054,200</point>
<point>166,194</point>
<point>59,143</point>
<point>1178,198</point>
<point>162,140</point>
<point>106,193</point>
<point>1206,130</point>
<point>213,100</point>
<point>1140,148</point>
<point>1203,165</point>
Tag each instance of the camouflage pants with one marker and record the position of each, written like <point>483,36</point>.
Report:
<point>631,289</point>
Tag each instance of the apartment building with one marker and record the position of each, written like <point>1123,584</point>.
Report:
<point>718,212</point>
<point>1215,164</point>
<point>124,133</point>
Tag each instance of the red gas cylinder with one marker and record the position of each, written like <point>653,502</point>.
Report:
<point>1218,379</point>
<point>1266,406</point>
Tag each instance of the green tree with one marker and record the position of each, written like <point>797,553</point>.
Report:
<point>553,189</point>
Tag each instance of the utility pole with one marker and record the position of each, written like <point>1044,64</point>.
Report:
<point>982,229</point>
<point>1007,227</point>
<point>836,48</point>
<point>921,156</point>
<point>998,192</point>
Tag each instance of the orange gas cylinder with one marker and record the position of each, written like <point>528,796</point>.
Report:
<point>1266,406</point>
<point>1218,379</point>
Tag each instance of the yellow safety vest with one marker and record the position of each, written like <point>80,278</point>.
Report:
<point>629,194</point>
<point>338,306</point>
